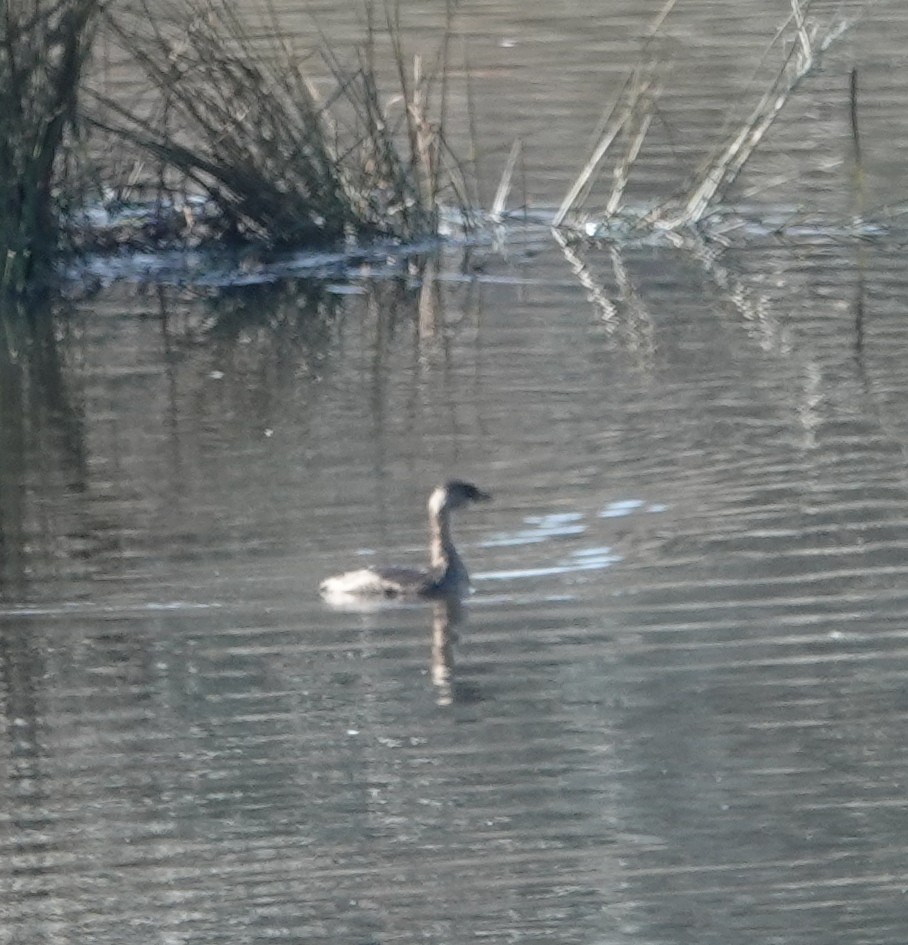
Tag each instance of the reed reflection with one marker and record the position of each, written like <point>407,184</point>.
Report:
<point>42,437</point>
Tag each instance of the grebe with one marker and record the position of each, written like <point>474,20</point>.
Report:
<point>447,574</point>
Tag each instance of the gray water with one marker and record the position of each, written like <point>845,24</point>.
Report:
<point>673,709</point>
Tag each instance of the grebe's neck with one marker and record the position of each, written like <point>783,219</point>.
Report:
<point>446,563</point>
<point>441,545</point>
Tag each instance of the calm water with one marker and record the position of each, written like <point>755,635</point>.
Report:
<point>674,709</point>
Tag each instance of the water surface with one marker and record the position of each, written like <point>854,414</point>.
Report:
<point>673,709</point>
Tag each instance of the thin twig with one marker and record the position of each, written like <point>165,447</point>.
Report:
<point>504,185</point>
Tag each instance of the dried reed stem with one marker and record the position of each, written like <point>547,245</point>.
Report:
<point>504,185</point>
<point>633,119</point>
<point>801,60</point>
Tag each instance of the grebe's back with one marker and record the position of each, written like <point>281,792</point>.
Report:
<point>447,574</point>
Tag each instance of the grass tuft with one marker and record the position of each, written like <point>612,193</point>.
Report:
<point>292,149</point>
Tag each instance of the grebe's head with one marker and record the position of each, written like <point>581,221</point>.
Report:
<point>455,494</point>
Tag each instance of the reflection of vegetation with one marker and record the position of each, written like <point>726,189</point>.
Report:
<point>268,339</point>
<point>294,315</point>
<point>43,48</point>
<point>12,473</point>
<point>263,344</point>
<point>41,431</point>
<point>22,675</point>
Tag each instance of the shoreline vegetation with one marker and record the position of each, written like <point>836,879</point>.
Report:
<point>44,49</point>
<point>245,142</point>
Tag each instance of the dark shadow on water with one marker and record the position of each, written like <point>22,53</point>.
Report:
<point>42,431</point>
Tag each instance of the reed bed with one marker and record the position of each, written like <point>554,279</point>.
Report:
<point>292,148</point>
<point>251,139</point>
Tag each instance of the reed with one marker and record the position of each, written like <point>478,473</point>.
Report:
<point>294,149</point>
<point>802,41</point>
<point>44,47</point>
<point>806,44</point>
